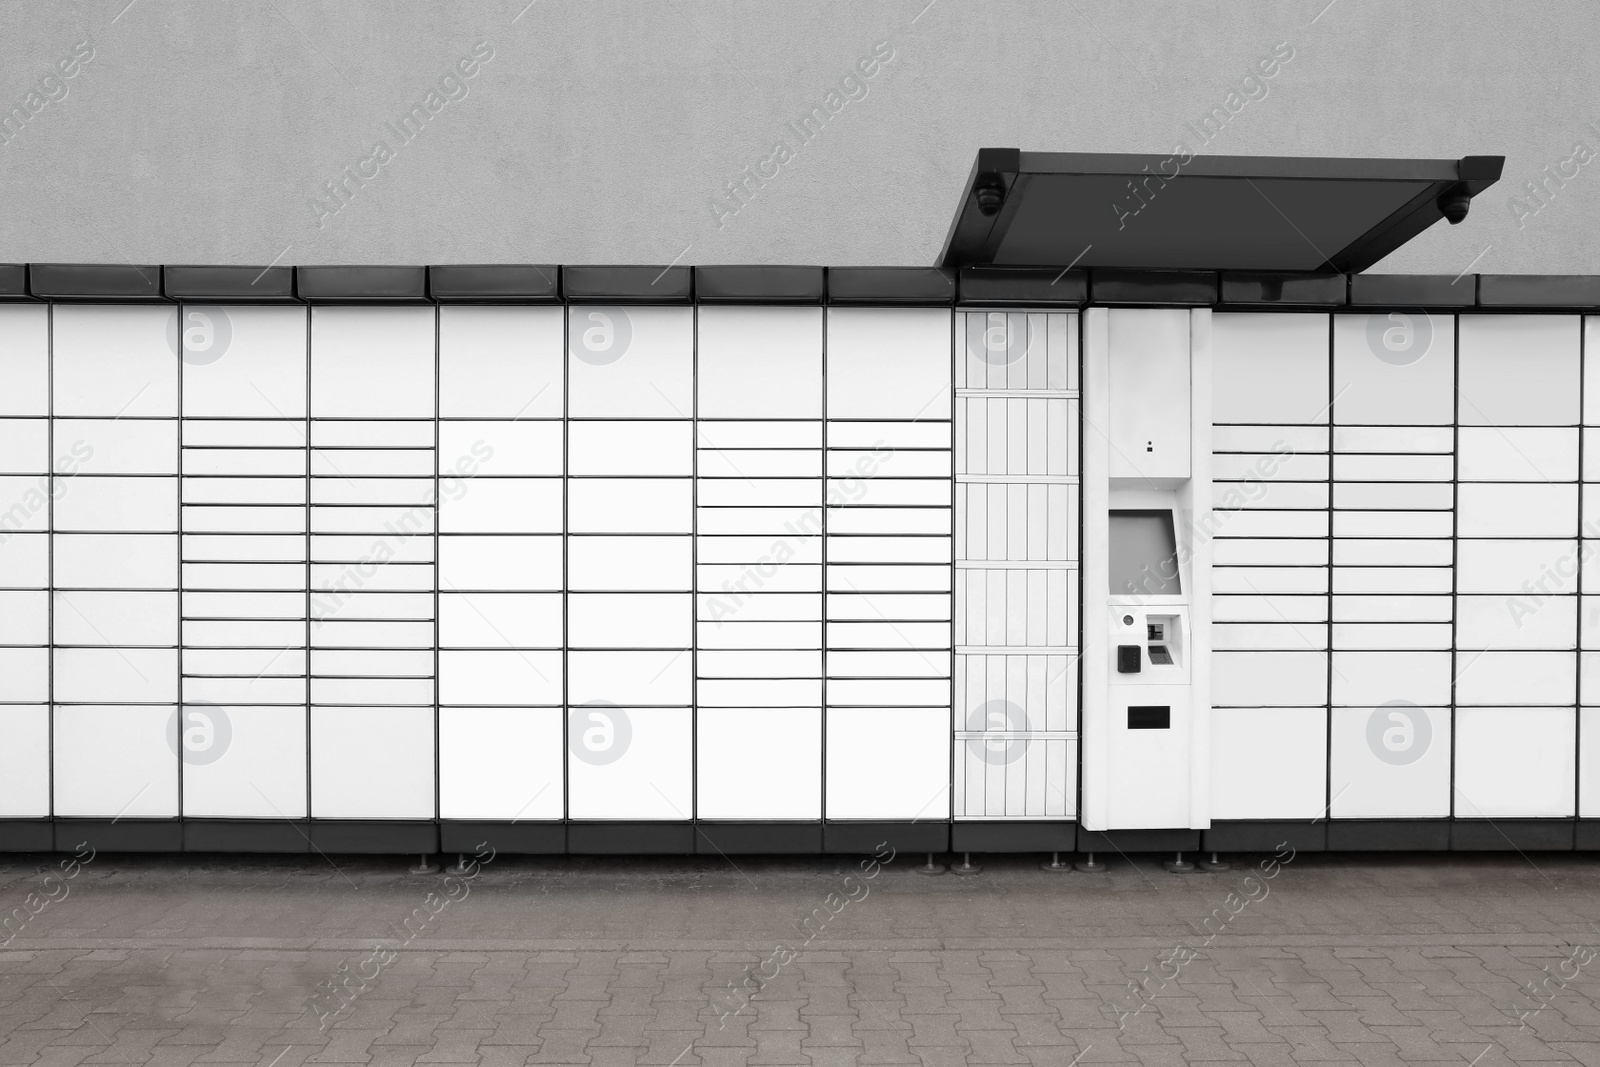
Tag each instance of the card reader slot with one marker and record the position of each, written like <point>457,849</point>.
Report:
<point>1150,717</point>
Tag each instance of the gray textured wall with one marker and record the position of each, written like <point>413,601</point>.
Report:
<point>602,132</point>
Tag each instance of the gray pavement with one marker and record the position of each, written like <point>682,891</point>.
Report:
<point>283,961</point>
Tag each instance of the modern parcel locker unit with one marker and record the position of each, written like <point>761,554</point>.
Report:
<point>1140,524</point>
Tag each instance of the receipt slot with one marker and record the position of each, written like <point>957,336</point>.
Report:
<point>1146,570</point>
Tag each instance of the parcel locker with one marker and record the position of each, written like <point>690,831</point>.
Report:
<point>1172,532</point>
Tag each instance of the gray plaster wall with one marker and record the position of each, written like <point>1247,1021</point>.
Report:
<point>208,131</point>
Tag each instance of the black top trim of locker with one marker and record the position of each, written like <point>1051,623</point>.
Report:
<point>1414,290</point>
<point>228,283</point>
<point>628,285</point>
<point>884,286</point>
<point>95,281</point>
<point>1167,288</point>
<point>14,281</point>
<point>522,283</point>
<point>1285,290</point>
<point>926,286</point>
<point>760,285</point>
<point>1192,212</point>
<point>1023,287</point>
<point>1539,290</point>
<point>362,284</point>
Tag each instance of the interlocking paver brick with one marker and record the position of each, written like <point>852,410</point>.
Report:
<point>1394,960</point>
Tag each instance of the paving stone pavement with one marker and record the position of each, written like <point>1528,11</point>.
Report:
<point>1478,959</point>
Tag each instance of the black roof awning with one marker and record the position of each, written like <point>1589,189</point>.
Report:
<point>1246,213</point>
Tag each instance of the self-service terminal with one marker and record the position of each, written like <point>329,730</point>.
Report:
<point>1146,584</point>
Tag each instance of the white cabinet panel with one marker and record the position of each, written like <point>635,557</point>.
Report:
<point>760,362</point>
<point>503,505</point>
<point>1517,622</point>
<point>630,763</point>
<point>1269,367</point>
<point>370,362</point>
<point>1519,370</point>
<point>120,617</point>
<point>372,763</point>
<point>888,763</point>
<point>244,762</point>
<point>25,359</point>
<point>1537,510</point>
<point>113,561</point>
<point>514,679</point>
<point>630,363</point>
<point>114,360</point>
<point>1515,762</point>
<point>244,362</point>
<point>634,564</point>
<point>1519,677</point>
<point>759,764</point>
<point>1269,763</point>
<point>629,505</point>
<point>25,760</point>
<point>500,620</point>
<point>1276,679</point>
<point>25,446</point>
<point>889,363</point>
<point>143,675</point>
<point>1505,566</point>
<point>630,678</point>
<point>25,560</point>
<point>1371,678</point>
<point>24,674</point>
<point>24,617</point>
<point>500,449</point>
<point>499,563</point>
<point>1589,763</point>
<point>630,620</point>
<point>1395,368</point>
<point>500,763</point>
<point>500,362</point>
<point>113,762</point>
<point>1390,762</point>
<point>134,505</point>
<point>627,447</point>
<point>1518,454</point>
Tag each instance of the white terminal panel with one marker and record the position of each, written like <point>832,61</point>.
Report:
<point>1146,571</point>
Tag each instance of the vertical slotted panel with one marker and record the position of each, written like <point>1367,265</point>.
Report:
<point>1016,572</point>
